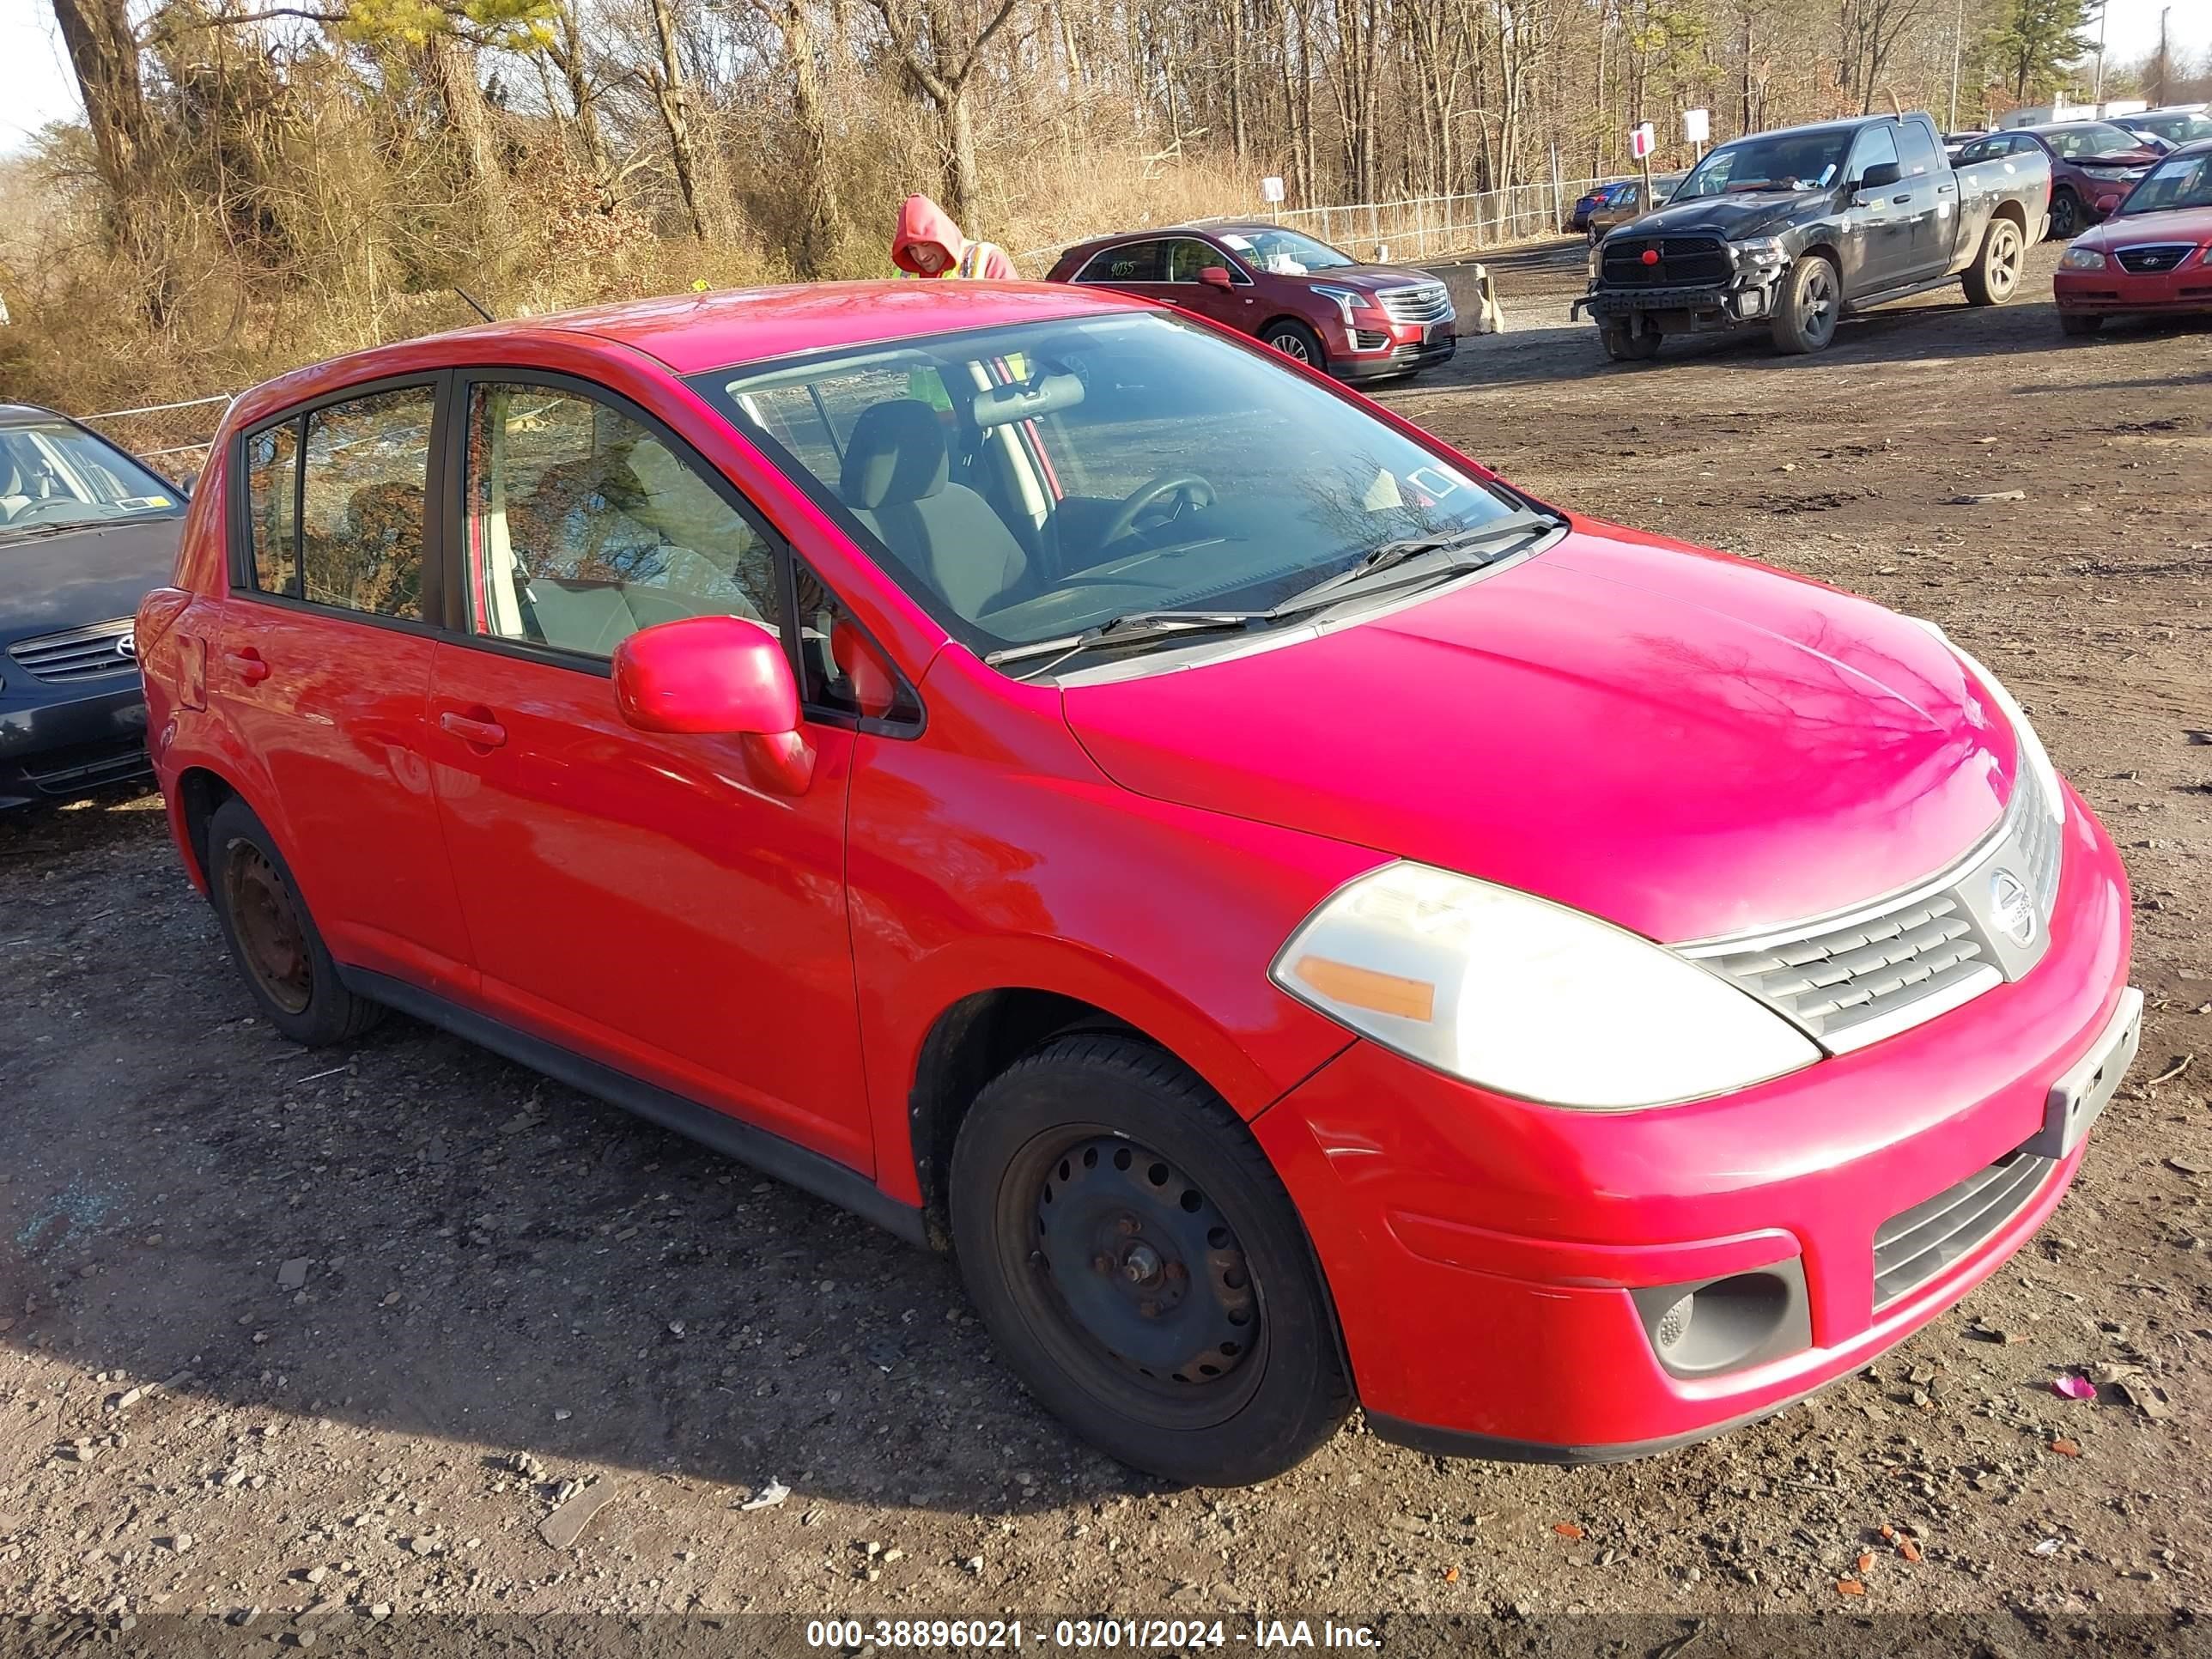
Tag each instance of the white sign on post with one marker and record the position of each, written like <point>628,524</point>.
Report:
<point>1698,125</point>
<point>1642,140</point>
<point>1271,188</point>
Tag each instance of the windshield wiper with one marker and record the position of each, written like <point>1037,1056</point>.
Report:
<point>26,533</point>
<point>1129,627</point>
<point>1378,561</point>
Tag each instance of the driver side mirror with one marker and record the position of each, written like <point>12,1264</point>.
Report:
<point>1215,276</point>
<point>717,677</point>
<point>188,484</point>
<point>1881,176</point>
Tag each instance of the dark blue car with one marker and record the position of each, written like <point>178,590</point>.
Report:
<point>85,531</point>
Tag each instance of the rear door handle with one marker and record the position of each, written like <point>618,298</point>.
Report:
<point>247,661</point>
<point>476,733</point>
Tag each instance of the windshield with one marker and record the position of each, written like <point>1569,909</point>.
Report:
<point>1284,252</point>
<point>1776,160</point>
<point>2094,138</point>
<point>2184,182</point>
<point>52,473</point>
<point>2174,129</point>
<point>1028,483</point>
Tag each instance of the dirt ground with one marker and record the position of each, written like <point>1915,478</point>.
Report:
<point>329,1334</point>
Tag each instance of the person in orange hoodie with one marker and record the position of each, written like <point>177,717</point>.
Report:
<point>928,244</point>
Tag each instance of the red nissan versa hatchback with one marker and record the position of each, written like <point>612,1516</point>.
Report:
<point>1302,920</point>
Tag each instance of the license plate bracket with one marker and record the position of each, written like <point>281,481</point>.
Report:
<point>2077,1098</point>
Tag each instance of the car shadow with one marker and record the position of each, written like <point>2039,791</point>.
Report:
<point>409,1235</point>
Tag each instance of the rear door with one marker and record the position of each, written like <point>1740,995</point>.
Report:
<point>1934,203</point>
<point>636,897</point>
<point>322,665</point>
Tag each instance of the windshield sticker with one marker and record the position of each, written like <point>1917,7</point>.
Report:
<point>1237,242</point>
<point>1439,484</point>
<point>1383,494</point>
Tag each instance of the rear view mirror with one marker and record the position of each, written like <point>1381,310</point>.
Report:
<point>717,677</point>
<point>1881,176</point>
<point>1215,276</point>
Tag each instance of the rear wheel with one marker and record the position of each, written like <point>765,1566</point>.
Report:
<point>1141,1268</point>
<point>2065,216</point>
<point>272,938</point>
<point>2079,322</point>
<point>1994,277</point>
<point>1626,348</point>
<point>1297,340</point>
<point>1807,307</point>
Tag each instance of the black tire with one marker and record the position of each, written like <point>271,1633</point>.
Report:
<point>279,951</point>
<point>2079,322</point>
<point>2065,216</point>
<point>1295,339</point>
<point>1623,347</point>
<point>1807,304</point>
<point>1994,277</point>
<point>1163,1197</point>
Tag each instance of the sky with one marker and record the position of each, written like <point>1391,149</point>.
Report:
<point>36,85</point>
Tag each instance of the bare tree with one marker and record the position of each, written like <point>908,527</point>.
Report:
<point>939,58</point>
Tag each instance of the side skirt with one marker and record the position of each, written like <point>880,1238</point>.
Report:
<point>771,1154</point>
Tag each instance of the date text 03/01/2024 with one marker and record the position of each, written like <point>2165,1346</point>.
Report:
<point>1136,1634</point>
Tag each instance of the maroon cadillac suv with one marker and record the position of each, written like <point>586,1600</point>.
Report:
<point>1302,296</point>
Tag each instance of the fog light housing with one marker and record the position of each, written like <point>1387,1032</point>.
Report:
<point>1710,1327</point>
<point>1752,302</point>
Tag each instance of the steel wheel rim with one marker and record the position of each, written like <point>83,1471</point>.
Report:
<point>1291,346</point>
<point>272,935</point>
<point>1104,1226</point>
<point>2004,261</point>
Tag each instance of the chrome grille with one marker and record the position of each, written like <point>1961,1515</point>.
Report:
<point>1826,981</point>
<point>1850,979</point>
<point>83,653</point>
<point>1914,1245</point>
<point>2152,257</point>
<point>1426,303</point>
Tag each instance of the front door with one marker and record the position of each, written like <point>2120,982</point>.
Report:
<point>1182,264</point>
<point>322,667</point>
<point>633,896</point>
<point>1879,241</point>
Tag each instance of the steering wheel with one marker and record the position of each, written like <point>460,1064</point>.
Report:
<point>1188,491</point>
<point>40,507</point>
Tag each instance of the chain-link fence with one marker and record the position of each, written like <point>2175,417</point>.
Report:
<point>1422,227</point>
<point>172,438</point>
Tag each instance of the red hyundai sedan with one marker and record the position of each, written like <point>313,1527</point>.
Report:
<point>1302,920</point>
<point>2152,257</point>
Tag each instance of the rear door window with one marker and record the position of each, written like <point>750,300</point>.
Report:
<point>1131,262</point>
<point>364,490</point>
<point>1917,152</point>
<point>272,494</point>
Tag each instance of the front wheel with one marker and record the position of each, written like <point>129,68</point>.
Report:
<point>1297,340</point>
<point>1622,347</point>
<point>2065,216</point>
<point>1142,1269</point>
<point>2079,322</point>
<point>1994,277</point>
<point>1807,307</point>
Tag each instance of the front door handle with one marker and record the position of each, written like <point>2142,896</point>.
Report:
<point>1902,200</point>
<point>485,733</point>
<point>248,663</point>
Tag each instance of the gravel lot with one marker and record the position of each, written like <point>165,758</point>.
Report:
<point>331,1335</point>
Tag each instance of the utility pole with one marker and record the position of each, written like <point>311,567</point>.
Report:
<point>1958,47</point>
<point>2097,92</point>
<point>2164,12</point>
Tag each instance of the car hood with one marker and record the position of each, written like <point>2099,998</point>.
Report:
<point>2127,230</point>
<point>1371,279</point>
<point>1680,742</point>
<point>2119,158</point>
<point>1754,212</point>
<point>93,574</point>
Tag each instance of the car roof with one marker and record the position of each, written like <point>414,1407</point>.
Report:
<point>1851,125</point>
<point>27,414</point>
<point>2068,126</point>
<point>691,333</point>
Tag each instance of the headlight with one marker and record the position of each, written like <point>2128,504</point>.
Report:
<point>1345,298</point>
<point>1527,997</point>
<point>1764,250</point>
<point>2081,258</point>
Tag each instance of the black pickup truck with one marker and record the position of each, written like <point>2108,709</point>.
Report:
<point>1790,230</point>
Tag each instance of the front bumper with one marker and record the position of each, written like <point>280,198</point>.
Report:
<point>1703,309</point>
<point>58,742</point>
<point>1375,348</point>
<point>1484,1253</point>
<point>2113,292</point>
